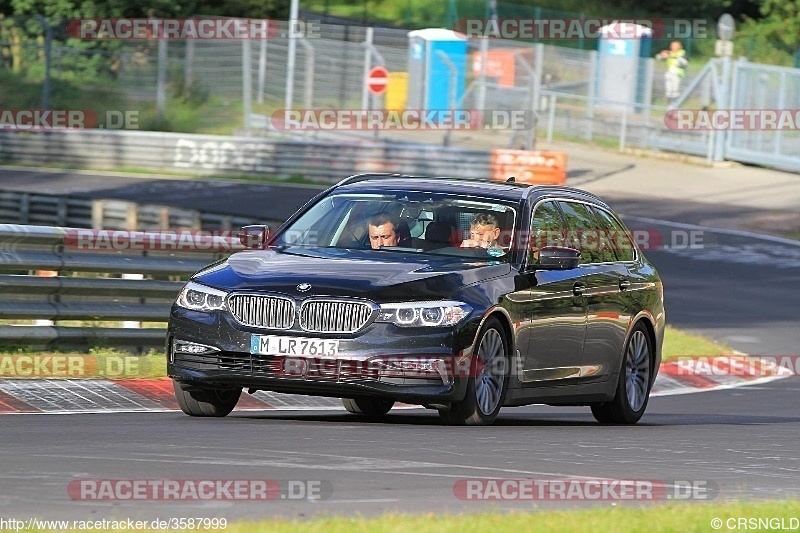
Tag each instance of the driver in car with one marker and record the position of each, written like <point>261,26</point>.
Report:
<point>383,231</point>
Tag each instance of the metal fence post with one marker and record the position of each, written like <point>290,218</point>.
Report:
<point>290,60</point>
<point>723,103</point>
<point>648,97</point>
<point>308,96</point>
<point>48,46</point>
<point>262,70</point>
<point>247,83</point>
<point>623,128</point>
<point>161,80</point>
<point>484,50</point>
<point>551,118</point>
<point>591,92</point>
<point>187,67</point>
<point>367,65</point>
<point>535,91</point>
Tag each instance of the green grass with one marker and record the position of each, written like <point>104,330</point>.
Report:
<point>684,517</point>
<point>99,363</point>
<point>678,343</point>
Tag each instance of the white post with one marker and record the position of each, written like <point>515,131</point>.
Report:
<point>132,323</point>
<point>724,94</point>
<point>293,12</point>
<point>590,104</point>
<point>308,100</point>
<point>551,118</point>
<point>262,70</point>
<point>247,83</point>
<point>187,67</point>
<point>367,67</point>
<point>535,91</point>
<point>481,100</point>
<point>161,80</point>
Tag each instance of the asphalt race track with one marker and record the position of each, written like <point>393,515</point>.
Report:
<point>738,288</point>
<point>743,440</point>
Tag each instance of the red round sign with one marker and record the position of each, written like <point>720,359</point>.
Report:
<point>377,80</point>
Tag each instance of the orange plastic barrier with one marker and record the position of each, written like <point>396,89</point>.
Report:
<point>530,166</point>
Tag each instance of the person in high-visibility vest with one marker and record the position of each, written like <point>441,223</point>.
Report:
<point>676,70</point>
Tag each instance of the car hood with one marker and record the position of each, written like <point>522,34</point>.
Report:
<point>378,276</point>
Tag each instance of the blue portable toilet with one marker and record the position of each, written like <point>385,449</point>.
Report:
<point>621,70</point>
<point>429,76</point>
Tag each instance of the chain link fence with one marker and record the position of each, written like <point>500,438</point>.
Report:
<point>235,87</point>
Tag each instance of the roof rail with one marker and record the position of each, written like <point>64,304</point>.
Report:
<point>363,177</point>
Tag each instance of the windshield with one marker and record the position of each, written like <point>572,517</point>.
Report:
<point>423,223</point>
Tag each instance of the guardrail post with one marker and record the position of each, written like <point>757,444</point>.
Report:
<point>98,208</point>
<point>24,208</point>
<point>133,323</point>
<point>131,217</point>
<point>623,128</point>
<point>61,212</point>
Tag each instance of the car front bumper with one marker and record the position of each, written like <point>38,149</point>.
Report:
<point>381,360</point>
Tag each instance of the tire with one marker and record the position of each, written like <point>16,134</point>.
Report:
<point>372,407</point>
<point>207,402</point>
<point>633,387</point>
<point>488,380</point>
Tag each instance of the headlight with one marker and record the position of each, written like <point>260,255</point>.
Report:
<point>201,298</point>
<point>416,314</point>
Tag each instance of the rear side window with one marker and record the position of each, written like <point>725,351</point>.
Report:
<point>619,238</point>
<point>547,227</point>
<point>582,231</point>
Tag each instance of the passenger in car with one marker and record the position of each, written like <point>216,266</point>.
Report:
<point>484,231</point>
<point>383,231</point>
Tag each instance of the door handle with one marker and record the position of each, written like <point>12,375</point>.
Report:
<point>624,284</point>
<point>578,288</point>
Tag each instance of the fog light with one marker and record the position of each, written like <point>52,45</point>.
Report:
<point>192,348</point>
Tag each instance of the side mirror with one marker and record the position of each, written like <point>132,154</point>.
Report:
<point>557,258</point>
<point>254,237</point>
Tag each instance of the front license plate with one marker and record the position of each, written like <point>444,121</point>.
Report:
<point>293,346</point>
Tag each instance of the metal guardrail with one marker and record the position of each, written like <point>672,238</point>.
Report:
<point>323,161</point>
<point>73,294</point>
<point>75,212</point>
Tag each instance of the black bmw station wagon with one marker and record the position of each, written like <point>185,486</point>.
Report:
<point>460,296</point>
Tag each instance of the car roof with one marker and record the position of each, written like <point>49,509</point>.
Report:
<point>494,189</point>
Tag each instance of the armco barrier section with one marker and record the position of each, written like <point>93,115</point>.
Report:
<point>78,293</point>
<point>322,161</point>
<point>54,210</point>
